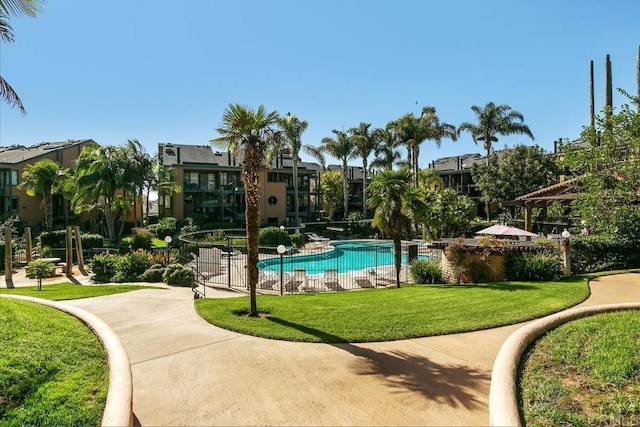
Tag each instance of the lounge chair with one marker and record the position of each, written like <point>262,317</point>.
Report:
<point>362,279</point>
<point>385,275</point>
<point>313,237</point>
<point>330,280</point>
<point>268,280</point>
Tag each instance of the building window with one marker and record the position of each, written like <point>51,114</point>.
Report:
<point>12,205</point>
<point>211,181</point>
<point>11,177</point>
<point>273,177</point>
<point>224,179</point>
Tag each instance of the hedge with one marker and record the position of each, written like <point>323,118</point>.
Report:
<point>598,253</point>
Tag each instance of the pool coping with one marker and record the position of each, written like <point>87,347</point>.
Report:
<point>118,408</point>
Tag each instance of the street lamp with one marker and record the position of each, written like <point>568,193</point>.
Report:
<point>168,240</point>
<point>281,250</point>
<point>566,256</point>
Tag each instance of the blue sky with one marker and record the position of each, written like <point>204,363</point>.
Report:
<point>164,71</point>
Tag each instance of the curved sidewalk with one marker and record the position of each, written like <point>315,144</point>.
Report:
<point>187,372</point>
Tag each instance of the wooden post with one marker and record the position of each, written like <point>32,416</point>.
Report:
<point>527,217</point>
<point>79,254</point>
<point>592,109</point>
<point>69,247</point>
<point>27,238</point>
<point>8,267</point>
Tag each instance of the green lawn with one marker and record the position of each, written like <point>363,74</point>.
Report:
<point>585,372</point>
<point>52,368</point>
<point>67,291</point>
<point>393,314</point>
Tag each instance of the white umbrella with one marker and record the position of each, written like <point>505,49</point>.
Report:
<point>505,230</point>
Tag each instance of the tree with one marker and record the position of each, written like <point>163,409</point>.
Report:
<point>332,188</point>
<point>608,171</point>
<point>396,204</point>
<point>102,176</point>
<point>140,172</point>
<point>161,181</point>
<point>254,132</point>
<point>14,8</point>
<point>292,130</point>
<point>385,150</point>
<point>45,178</point>
<point>364,143</point>
<point>446,213</point>
<point>494,120</point>
<point>413,131</point>
<point>341,147</point>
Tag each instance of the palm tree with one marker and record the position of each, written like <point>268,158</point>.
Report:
<point>396,204</point>
<point>413,131</point>
<point>140,172</point>
<point>340,147</point>
<point>386,149</point>
<point>494,120</point>
<point>364,143</point>
<point>100,173</point>
<point>161,180</point>
<point>292,130</point>
<point>45,177</point>
<point>254,132</point>
<point>14,8</point>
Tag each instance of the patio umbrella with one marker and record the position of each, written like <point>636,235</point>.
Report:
<point>505,230</point>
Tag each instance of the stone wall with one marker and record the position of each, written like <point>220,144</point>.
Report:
<point>477,268</point>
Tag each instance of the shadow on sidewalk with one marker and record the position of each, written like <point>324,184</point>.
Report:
<point>451,384</point>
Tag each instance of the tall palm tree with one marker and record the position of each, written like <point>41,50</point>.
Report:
<point>101,174</point>
<point>364,143</point>
<point>45,177</point>
<point>292,130</point>
<point>254,132</point>
<point>139,173</point>
<point>16,8</point>
<point>396,204</point>
<point>494,120</point>
<point>340,147</point>
<point>385,152</point>
<point>413,131</point>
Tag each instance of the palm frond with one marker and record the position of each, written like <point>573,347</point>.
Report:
<point>10,96</point>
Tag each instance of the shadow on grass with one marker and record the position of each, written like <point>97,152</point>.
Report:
<point>496,286</point>
<point>450,384</point>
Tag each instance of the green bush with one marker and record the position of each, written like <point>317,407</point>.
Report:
<point>153,274</point>
<point>39,269</point>
<point>426,271</point>
<point>598,253</point>
<point>103,267</point>
<point>125,245</point>
<point>141,238</point>
<point>130,267</point>
<point>178,275</point>
<point>166,227</point>
<point>273,236</point>
<point>532,266</point>
<point>54,239</point>
<point>90,241</point>
<point>298,239</point>
<point>188,226</point>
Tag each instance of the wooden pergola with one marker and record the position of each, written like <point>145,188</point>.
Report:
<point>562,192</point>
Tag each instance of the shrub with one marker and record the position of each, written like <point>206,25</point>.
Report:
<point>456,255</point>
<point>215,236</point>
<point>125,245</point>
<point>532,266</point>
<point>90,241</point>
<point>188,226</point>
<point>426,271</point>
<point>178,275</point>
<point>130,267</point>
<point>166,227</point>
<point>39,269</point>
<point>103,267</point>
<point>273,236</point>
<point>153,274</point>
<point>597,253</point>
<point>53,239</point>
<point>298,239</point>
<point>141,239</point>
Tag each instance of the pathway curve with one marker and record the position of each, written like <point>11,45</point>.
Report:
<point>188,372</point>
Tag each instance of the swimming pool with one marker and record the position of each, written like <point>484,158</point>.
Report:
<point>352,255</point>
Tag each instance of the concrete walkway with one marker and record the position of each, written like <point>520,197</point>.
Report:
<point>188,372</point>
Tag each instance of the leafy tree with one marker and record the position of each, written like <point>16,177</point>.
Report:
<point>9,8</point>
<point>494,120</point>
<point>446,213</point>
<point>102,177</point>
<point>364,143</point>
<point>292,129</point>
<point>332,191</point>
<point>342,148</point>
<point>396,203</point>
<point>254,132</point>
<point>45,178</point>
<point>520,170</point>
<point>609,170</point>
<point>413,131</point>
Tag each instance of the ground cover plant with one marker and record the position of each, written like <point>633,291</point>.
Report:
<point>585,372</point>
<point>393,314</point>
<point>68,291</point>
<point>52,368</point>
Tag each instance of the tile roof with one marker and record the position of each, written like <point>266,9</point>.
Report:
<point>15,154</point>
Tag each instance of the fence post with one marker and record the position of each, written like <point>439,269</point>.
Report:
<point>8,253</point>
<point>27,237</point>
<point>69,253</point>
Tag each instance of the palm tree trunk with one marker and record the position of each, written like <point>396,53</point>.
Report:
<point>397,255</point>
<point>345,188</point>
<point>251,180</point>
<point>487,206</point>
<point>295,191</point>
<point>47,199</point>
<point>364,186</point>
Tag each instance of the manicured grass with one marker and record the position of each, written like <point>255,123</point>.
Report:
<point>393,314</point>
<point>67,291</point>
<point>585,372</point>
<point>52,368</point>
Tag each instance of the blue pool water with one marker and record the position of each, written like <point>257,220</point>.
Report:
<point>345,256</point>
